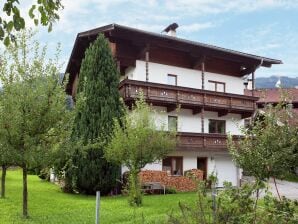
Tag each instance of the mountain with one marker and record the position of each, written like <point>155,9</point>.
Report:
<point>269,82</point>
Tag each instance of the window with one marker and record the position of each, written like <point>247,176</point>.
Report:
<point>173,165</point>
<point>172,80</point>
<point>172,123</point>
<point>217,86</point>
<point>217,126</point>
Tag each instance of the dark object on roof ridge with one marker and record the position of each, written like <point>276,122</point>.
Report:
<point>172,26</point>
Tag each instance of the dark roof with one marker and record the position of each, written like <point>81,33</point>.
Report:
<point>195,43</point>
<point>182,44</point>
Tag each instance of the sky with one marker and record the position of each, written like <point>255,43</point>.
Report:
<point>267,28</point>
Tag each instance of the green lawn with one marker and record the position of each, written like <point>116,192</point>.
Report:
<point>47,204</point>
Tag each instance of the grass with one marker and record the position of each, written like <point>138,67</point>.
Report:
<point>291,177</point>
<point>47,204</point>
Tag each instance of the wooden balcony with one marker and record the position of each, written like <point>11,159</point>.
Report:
<point>203,142</point>
<point>189,98</point>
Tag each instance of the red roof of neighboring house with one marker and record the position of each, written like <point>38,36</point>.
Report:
<point>274,95</point>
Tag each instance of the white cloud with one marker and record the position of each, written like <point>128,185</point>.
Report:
<point>194,27</point>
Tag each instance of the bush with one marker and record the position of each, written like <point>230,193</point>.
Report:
<point>45,174</point>
<point>236,205</point>
<point>170,190</point>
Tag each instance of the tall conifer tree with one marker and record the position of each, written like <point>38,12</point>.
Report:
<point>98,104</point>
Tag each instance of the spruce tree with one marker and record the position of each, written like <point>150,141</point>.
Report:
<point>98,104</point>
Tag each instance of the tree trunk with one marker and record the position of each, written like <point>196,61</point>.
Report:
<point>3,178</point>
<point>25,192</point>
<point>256,206</point>
<point>276,188</point>
<point>135,195</point>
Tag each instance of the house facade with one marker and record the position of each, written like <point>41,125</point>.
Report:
<point>195,88</point>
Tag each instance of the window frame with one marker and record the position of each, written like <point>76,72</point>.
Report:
<point>217,83</point>
<point>172,168</point>
<point>217,126</point>
<point>172,75</point>
<point>173,116</point>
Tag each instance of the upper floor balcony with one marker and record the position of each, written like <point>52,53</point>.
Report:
<point>172,96</point>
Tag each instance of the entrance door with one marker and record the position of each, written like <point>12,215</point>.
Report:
<point>202,165</point>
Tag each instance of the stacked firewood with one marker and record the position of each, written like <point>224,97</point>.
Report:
<point>179,183</point>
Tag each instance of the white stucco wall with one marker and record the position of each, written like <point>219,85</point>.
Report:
<point>233,122</point>
<point>233,84</point>
<point>187,122</point>
<point>158,73</point>
<point>152,166</point>
<point>219,163</point>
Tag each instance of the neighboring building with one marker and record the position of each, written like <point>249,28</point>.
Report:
<point>204,81</point>
<point>275,95</point>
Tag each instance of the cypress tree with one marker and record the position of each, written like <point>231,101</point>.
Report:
<point>98,105</point>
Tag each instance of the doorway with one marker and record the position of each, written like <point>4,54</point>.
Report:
<point>202,165</point>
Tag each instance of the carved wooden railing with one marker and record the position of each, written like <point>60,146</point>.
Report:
<point>186,97</point>
<point>201,141</point>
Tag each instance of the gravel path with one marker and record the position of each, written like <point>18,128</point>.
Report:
<point>285,188</point>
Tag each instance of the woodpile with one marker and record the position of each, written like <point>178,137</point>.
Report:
<point>179,183</point>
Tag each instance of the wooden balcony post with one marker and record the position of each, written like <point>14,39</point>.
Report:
<point>147,66</point>
<point>230,103</point>
<point>202,120</point>
<point>118,66</point>
<point>203,115</point>
<point>203,75</point>
<point>129,90</point>
<point>253,83</point>
<point>148,92</point>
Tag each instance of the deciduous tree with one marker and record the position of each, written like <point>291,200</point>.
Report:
<point>44,12</point>
<point>137,141</point>
<point>268,147</point>
<point>33,113</point>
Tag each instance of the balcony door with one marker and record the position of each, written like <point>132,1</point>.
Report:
<point>202,165</point>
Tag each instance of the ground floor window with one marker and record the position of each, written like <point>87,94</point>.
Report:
<point>173,165</point>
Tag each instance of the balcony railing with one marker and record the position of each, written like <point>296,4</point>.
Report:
<point>201,142</point>
<point>166,95</point>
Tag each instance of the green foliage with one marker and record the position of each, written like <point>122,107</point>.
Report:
<point>235,205</point>
<point>98,104</point>
<point>44,12</point>
<point>171,190</point>
<point>33,116</point>
<point>279,211</point>
<point>136,142</point>
<point>268,147</point>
